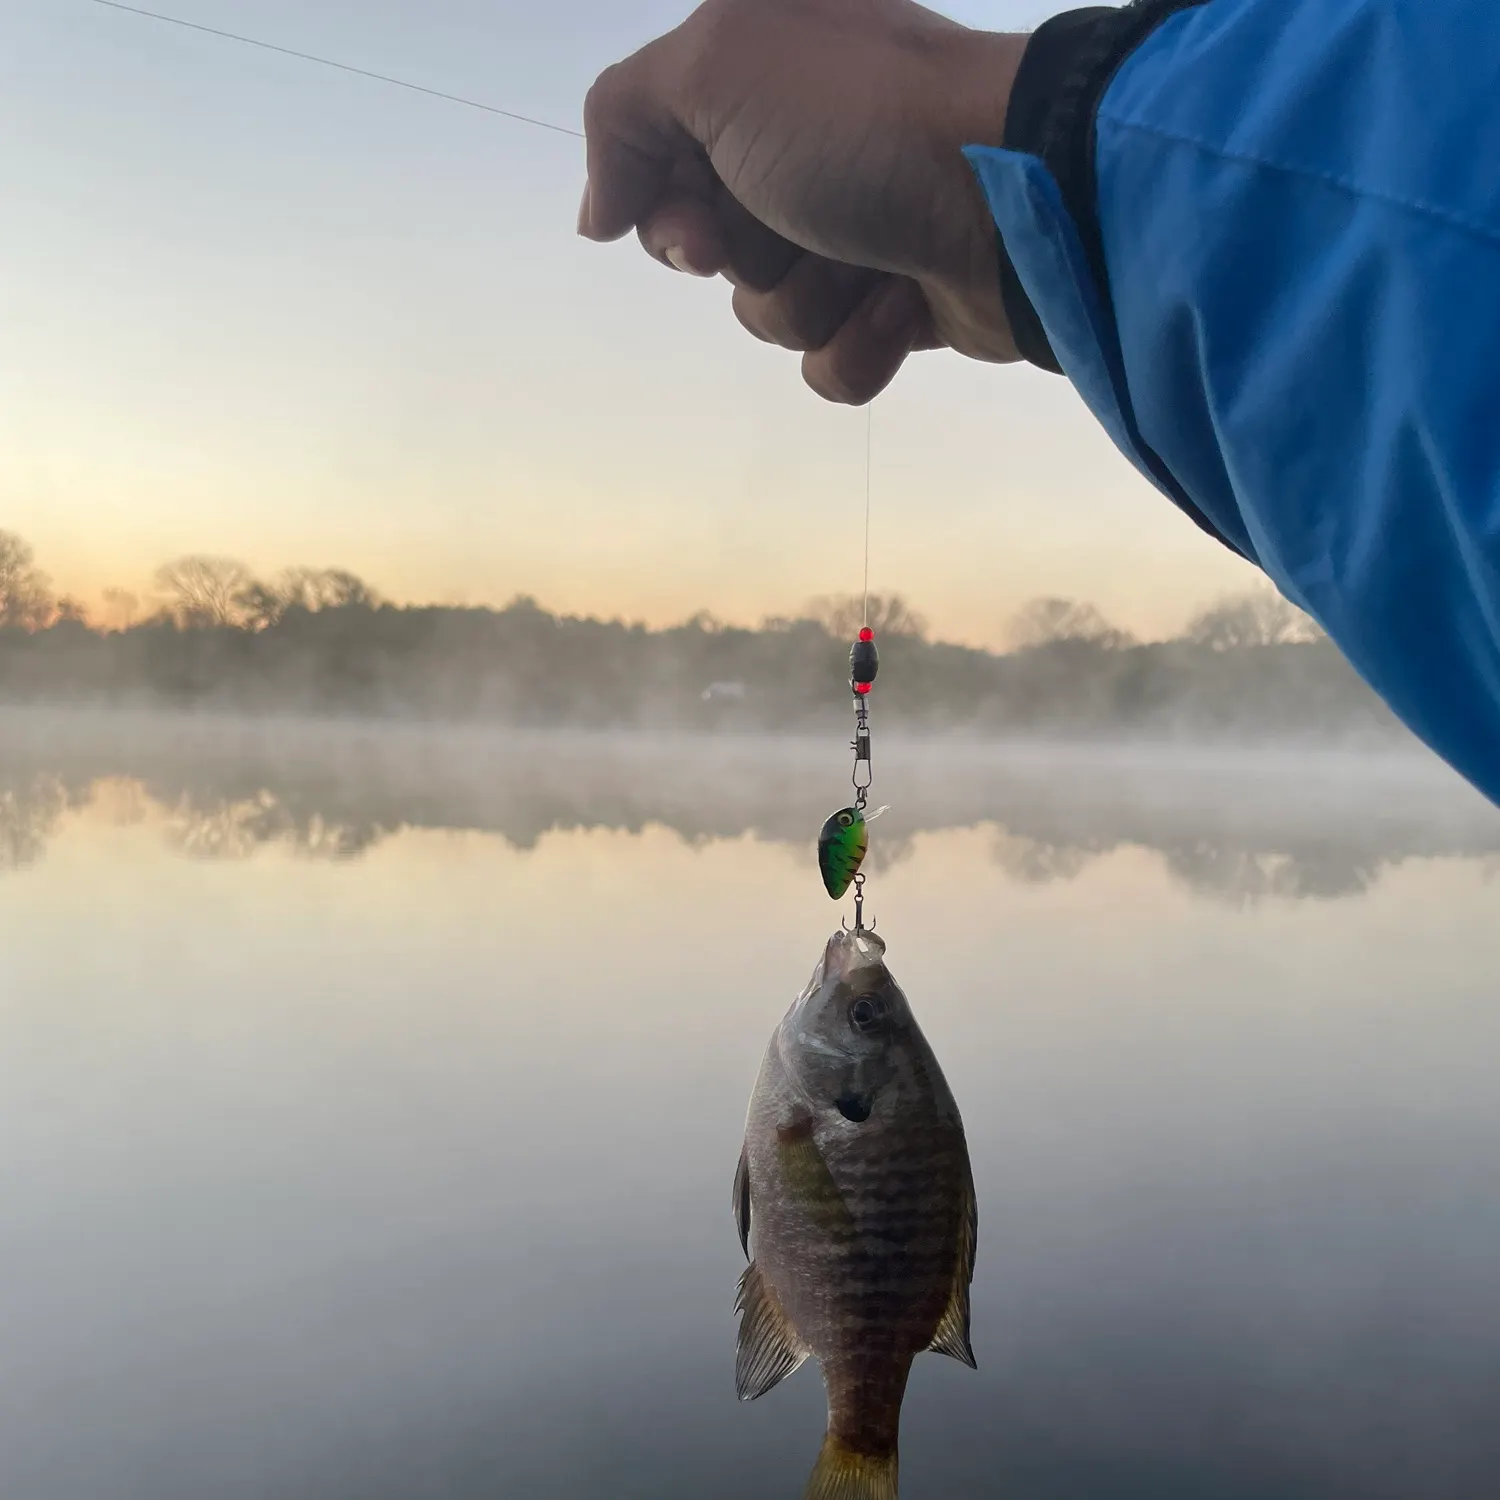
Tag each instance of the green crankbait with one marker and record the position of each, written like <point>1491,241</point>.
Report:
<point>842,846</point>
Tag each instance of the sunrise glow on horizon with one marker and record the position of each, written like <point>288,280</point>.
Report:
<point>260,310</point>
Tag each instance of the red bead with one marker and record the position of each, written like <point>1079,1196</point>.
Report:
<point>867,634</point>
<point>861,688</point>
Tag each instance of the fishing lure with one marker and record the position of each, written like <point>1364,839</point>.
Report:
<point>842,846</point>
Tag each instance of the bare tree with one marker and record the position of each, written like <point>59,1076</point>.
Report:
<point>1044,620</point>
<point>1258,618</point>
<point>25,591</point>
<point>261,605</point>
<point>842,615</point>
<point>205,590</point>
<point>325,588</point>
<point>121,609</point>
<point>310,589</point>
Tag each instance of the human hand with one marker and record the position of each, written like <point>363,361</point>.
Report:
<point>809,151</point>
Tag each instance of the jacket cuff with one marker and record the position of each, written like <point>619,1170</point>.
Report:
<point>1068,64</point>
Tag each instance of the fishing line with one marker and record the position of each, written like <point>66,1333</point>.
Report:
<point>869,430</point>
<point>328,62</point>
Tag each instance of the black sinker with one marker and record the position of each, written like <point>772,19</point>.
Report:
<point>852,1107</point>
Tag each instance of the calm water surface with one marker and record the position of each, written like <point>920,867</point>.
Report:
<point>369,1100</point>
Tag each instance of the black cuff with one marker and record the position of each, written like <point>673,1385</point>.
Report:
<point>1068,64</point>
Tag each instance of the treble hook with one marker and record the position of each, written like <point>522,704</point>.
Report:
<point>859,902</point>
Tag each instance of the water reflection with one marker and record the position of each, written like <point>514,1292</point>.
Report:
<point>31,807</point>
<point>1325,870</point>
<point>1295,827</point>
<point>207,827</point>
<point>356,1159</point>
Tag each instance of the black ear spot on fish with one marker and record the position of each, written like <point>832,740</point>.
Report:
<point>853,1108</point>
<point>868,1014</point>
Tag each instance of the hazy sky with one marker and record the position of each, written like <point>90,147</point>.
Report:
<point>254,307</point>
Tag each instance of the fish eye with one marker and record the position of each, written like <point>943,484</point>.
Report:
<point>868,1014</point>
<point>845,820</point>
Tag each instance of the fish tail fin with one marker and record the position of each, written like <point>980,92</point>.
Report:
<point>843,1474</point>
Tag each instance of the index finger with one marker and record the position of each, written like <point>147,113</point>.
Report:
<point>636,142</point>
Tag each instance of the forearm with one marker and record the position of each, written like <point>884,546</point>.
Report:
<point>1264,242</point>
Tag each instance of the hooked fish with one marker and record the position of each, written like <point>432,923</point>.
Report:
<point>855,1196</point>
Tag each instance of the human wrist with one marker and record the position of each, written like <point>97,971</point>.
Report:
<point>970,101</point>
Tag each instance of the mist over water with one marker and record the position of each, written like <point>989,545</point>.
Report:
<point>372,1094</point>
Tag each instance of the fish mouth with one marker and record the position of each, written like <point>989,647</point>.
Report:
<point>849,954</point>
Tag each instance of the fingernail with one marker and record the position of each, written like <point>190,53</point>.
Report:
<point>677,256</point>
<point>583,211</point>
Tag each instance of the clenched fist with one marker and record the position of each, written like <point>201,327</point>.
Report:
<point>809,151</point>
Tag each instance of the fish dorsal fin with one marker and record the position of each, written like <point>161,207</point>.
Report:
<point>769,1349</point>
<point>952,1336</point>
<point>742,1200</point>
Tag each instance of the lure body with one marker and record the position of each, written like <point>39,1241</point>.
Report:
<point>842,846</point>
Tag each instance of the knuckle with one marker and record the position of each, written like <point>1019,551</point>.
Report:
<point>601,92</point>
<point>748,309</point>
<point>788,318</point>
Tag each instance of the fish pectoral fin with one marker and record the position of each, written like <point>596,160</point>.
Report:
<point>952,1335</point>
<point>742,1200</point>
<point>768,1349</point>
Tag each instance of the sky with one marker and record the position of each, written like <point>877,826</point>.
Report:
<point>256,308</point>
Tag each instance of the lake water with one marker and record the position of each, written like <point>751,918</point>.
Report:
<point>369,1100</point>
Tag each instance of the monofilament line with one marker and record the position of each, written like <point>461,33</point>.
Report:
<point>869,429</point>
<point>328,62</point>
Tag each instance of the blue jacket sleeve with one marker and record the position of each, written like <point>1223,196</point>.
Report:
<point>1265,246</point>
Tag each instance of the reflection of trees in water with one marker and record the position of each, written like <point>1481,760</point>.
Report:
<point>1224,869</point>
<point>1321,872</point>
<point>1032,861</point>
<point>226,828</point>
<point>30,810</point>
<point>330,792</point>
<point>1221,869</point>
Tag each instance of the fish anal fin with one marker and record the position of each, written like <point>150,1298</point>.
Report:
<point>768,1347</point>
<point>841,1473</point>
<point>742,1200</point>
<point>952,1334</point>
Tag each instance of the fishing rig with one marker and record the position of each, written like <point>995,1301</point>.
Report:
<point>845,837</point>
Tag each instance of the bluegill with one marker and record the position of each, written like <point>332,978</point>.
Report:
<point>855,1197</point>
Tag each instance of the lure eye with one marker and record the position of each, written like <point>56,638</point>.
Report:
<point>868,1014</point>
<point>845,821</point>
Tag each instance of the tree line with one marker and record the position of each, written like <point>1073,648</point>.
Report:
<point>212,635</point>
